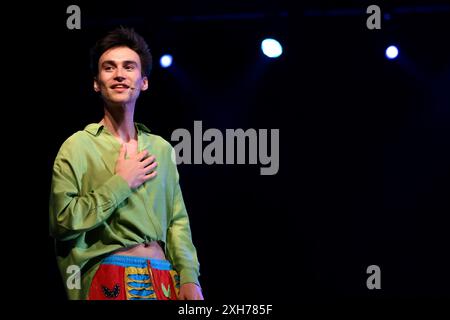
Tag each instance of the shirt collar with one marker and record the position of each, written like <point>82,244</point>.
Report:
<point>140,127</point>
<point>96,128</point>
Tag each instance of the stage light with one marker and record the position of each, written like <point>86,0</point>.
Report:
<point>166,61</point>
<point>391,52</point>
<point>271,48</point>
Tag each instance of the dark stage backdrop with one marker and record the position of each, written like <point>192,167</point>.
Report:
<point>364,155</point>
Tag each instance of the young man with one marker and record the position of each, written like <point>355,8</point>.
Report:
<point>116,208</point>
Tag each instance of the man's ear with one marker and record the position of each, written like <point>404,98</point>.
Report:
<point>144,85</point>
<point>96,85</point>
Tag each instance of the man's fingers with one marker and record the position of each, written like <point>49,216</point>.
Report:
<point>147,161</point>
<point>141,155</point>
<point>150,176</point>
<point>151,167</point>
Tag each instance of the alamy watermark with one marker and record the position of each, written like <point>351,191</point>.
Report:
<point>374,20</point>
<point>73,280</point>
<point>374,280</point>
<point>74,20</point>
<point>240,145</point>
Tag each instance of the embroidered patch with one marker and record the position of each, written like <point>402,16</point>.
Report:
<point>166,291</point>
<point>113,293</point>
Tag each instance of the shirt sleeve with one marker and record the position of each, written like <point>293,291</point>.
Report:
<point>72,211</point>
<point>179,240</point>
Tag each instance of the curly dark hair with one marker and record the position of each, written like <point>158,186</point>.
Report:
<point>122,37</point>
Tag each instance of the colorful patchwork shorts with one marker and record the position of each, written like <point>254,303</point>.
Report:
<point>134,278</point>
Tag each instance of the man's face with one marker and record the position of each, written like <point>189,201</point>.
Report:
<point>119,78</point>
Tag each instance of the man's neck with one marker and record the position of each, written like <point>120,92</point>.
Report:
<point>120,122</point>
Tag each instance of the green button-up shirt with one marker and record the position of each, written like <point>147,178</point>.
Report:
<point>94,212</point>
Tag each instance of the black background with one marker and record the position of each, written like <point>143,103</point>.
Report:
<point>364,141</point>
